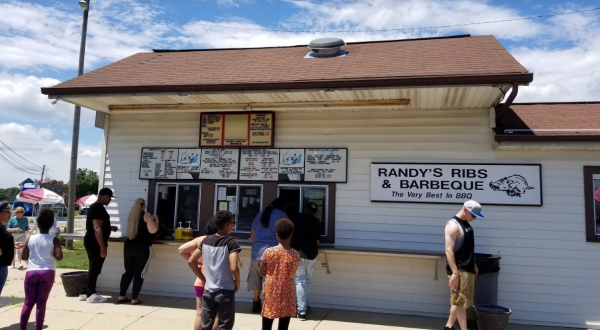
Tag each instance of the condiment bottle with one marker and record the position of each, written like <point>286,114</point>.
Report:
<point>188,232</point>
<point>179,232</point>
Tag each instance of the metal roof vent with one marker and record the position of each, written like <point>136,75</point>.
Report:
<point>326,47</point>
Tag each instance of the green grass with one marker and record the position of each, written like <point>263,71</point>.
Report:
<point>74,259</point>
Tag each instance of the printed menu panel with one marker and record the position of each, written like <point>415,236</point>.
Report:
<point>188,164</point>
<point>219,164</point>
<point>261,129</point>
<point>326,165</point>
<point>211,130</point>
<point>291,161</point>
<point>158,163</point>
<point>259,164</point>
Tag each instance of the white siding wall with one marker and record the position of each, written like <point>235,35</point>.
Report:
<point>549,273</point>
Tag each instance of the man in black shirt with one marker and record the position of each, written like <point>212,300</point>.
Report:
<point>460,262</point>
<point>307,233</point>
<point>98,228</point>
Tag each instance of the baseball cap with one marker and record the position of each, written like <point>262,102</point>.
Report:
<point>312,207</point>
<point>4,206</point>
<point>106,192</point>
<point>473,207</point>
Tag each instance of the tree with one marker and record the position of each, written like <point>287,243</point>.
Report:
<point>9,194</point>
<point>87,182</point>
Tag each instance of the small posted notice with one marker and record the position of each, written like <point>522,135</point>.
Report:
<point>219,164</point>
<point>326,165</point>
<point>158,163</point>
<point>259,164</point>
<point>261,130</point>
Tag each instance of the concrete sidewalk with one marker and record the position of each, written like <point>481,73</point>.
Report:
<point>178,313</point>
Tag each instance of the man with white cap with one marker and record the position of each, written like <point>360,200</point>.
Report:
<point>460,262</point>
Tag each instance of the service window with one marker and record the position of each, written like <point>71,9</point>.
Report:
<point>244,201</point>
<point>591,185</point>
<point>297,196</point>
<point>178,202</point>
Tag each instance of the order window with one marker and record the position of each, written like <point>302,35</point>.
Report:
<point>178,202</point>
<point>297,196</point>
<point>244,201</point>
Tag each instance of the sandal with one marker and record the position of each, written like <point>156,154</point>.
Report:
<point>136,303</point>
<point>122,301</point>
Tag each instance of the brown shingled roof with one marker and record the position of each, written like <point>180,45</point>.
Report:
<point>550,121</point>
<point>463,60</point>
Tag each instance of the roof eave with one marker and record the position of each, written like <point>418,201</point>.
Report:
<point>544,138</point>
<point>520,78</point>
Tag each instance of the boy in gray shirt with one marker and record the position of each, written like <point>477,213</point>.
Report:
<point>221,273</point>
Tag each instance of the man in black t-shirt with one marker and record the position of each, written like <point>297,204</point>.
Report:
<point>307,233</point>
<point>98,228</point>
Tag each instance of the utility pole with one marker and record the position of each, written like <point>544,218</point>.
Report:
<point>43,169</point>
<point>85,5</point>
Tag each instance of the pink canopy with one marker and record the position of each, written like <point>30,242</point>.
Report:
<point>40,195</point>
<point>87,200</point>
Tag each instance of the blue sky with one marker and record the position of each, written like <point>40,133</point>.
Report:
<point>39,43</point>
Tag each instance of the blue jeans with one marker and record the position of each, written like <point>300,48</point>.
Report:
<point>3,276</point>
<point>302,280</point>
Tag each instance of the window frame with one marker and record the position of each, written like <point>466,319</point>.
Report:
<point>589,172</point>
<point>177,184</point>
<point>305,186</point>
<point>237,194</point>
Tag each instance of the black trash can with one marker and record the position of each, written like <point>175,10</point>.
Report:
<point>486,284</point>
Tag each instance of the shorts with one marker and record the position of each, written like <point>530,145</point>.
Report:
<point>463,297</point>
<point>199,291</point>
<point>254,278</point>
<point>20,237</point>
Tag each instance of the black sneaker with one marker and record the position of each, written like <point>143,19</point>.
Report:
<point>446,328</point>
<point>256,306</point>
<point>308,310</point>
<point>302,316</point>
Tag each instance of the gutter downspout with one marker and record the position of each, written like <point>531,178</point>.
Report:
<point>501,108</point>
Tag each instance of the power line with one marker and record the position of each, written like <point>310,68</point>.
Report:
<point>367,31</point>
<point>17,161</point>
<point>15,166</point>
<point>19,155</point>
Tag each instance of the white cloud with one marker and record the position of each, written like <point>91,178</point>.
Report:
<point>38,147</point>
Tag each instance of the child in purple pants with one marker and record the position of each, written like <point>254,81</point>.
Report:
<point>41,250</point>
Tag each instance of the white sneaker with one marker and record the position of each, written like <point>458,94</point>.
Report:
<point>83,297</point>
<point>96,298</point>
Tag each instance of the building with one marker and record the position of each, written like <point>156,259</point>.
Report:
<point>393,136</point>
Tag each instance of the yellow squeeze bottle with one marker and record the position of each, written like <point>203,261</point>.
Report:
<point>179,232</point>
<point>188,232</point>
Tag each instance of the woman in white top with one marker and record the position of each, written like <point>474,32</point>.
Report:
<point>42,250</point>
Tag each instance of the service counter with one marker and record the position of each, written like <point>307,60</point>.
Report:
<point>342,274</point>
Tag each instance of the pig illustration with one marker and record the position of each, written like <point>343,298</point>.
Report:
<point>514,185</point>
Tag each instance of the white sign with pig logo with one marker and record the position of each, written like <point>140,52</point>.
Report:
<point>500,184</point>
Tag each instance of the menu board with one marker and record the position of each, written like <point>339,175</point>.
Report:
<point>158,163</point>
<point>236,129</point>
<point>188,164</point>
<point>211,129</point>
<point>219,164</point>
<point>291,161</point>
<point>326,165</point>
<point>259,164</point>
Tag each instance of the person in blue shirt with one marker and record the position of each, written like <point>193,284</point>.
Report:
<point>18,226</point>
<point>263,236</point>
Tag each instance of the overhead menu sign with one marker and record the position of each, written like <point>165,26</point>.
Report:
<point>219,164</point>
<point>241,129</point>
<point>326,165</point>
<point>259,164</point>
<point>501,184</point>
<point>158,163</point>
